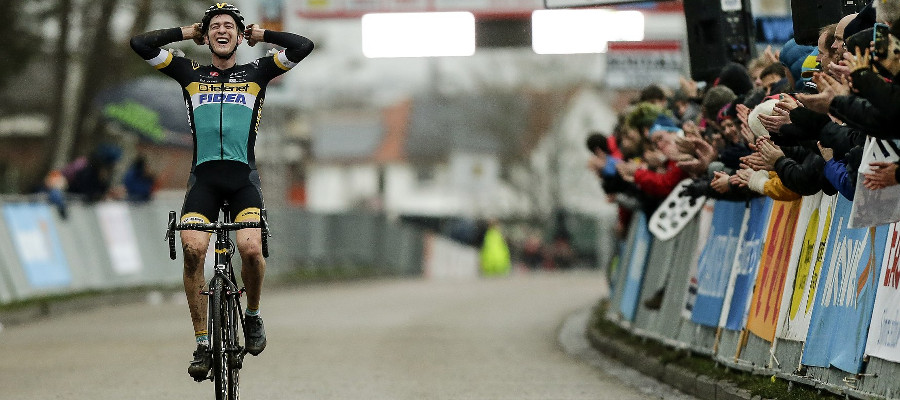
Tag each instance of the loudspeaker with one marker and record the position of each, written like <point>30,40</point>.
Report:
<point>811,15</point>
<point>716,37</point>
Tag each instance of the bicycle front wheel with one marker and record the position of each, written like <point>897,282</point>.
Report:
<point>225,375</point>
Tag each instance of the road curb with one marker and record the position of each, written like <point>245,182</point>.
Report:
<point>681,378</point>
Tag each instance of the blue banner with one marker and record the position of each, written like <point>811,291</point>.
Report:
<point>714,265</point>
<point>37,244</point>
<point>845,295</point>
<point>748,262</point>
<point>640,251</point>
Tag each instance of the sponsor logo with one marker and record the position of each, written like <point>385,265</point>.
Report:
<point>206,87</point>
<point>214,73</point>
<point>234,98</point>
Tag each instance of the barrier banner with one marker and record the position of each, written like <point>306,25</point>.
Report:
<point>885,330</point>
<point>118,234</point>
<point>714,265</point>
<point>705,218</point>
<point>636,265</point>
<point>743,275</point>
<point>800,291</point>
<point>37,245</point>
<point>845,294</point>
<point>875,207</point>
<point>773,269</point>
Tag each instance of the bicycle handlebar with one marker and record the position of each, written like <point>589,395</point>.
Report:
<point>217,227</point>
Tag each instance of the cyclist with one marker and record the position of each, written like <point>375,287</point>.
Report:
<point>224,101</point>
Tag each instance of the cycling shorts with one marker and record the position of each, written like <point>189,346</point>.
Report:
<point>213,182</point>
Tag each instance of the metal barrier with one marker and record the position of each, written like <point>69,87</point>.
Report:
<point>670,267</point>
<point>116,244</point>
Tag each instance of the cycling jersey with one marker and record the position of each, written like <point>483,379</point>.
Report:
<point>223,106</point>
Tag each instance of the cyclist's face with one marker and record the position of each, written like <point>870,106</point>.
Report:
<point>223,36</point>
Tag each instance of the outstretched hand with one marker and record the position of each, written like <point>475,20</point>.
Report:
<point>861,60</point>
<point>720,182</point>
<point>881,175</point>
<point>769,151</point>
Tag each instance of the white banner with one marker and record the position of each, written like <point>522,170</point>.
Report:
<point>884,330</point>
<point>118,233</point>
<point>704,219</point>
<point>634,64</point>
<point>798,299</point>
<point>875,207</point>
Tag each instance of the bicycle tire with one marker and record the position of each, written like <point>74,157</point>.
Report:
<point>235,356</point>
<point>218,331</point>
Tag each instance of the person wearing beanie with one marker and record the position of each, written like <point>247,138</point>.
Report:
<point>716,98</point>
<point>793,56</point>
<point>735,77</point>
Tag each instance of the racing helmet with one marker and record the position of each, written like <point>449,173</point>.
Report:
<point>221,8</point>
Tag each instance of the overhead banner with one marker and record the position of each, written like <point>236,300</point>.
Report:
<point>37,245</point>
<point>714,265</point>
<point>636,265</point>
<point>797,302</point>
<point>885,329</point>
<point>773,269</point>
<point>845,294</point>
<point>743,275</point>
<point>630,65</point>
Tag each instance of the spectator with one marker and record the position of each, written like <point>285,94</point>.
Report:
<point>55,185</point>
<point>93,180</point>
<point>139,183</point>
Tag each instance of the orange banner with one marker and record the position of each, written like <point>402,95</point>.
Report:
<point>773,267</point>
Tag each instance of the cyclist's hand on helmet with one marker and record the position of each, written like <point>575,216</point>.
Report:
<point>197,33</point>
<point>192,32</point>
<point>253,34</point>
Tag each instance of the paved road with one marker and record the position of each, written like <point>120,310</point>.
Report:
<point>387,339</point>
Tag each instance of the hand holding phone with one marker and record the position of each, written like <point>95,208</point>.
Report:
<point>882,41</point>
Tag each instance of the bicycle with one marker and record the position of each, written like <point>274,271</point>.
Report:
<point>225,317</point>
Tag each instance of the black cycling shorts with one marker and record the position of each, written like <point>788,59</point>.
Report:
<point>213,182</point>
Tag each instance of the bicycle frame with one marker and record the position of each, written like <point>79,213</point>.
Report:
<point>225,317</point>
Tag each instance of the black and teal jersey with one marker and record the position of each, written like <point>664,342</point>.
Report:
<point>224,106</point>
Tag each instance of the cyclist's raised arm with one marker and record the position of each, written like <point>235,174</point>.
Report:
<point>296,47</point>
<point>147,45</point>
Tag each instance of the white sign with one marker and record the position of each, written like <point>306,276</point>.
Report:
<point>634,65</point>
<point>584,3</point>
<point>356,8</point>
<point>731,5</point>
<point>118,233</point>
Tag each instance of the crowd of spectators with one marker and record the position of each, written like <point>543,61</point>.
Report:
<point>92,178</point>
<point>791,123</point>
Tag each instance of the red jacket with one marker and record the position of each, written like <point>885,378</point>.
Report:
<point>658,184</point>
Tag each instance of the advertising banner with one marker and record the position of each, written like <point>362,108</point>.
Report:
<point>636,266</point>
<point>37,245</point>
<point>705,219</point>
<point>714,265</point>
<point>885,329</point>
<point>845,294</point>
<point>875,207</point>
<point>118,234</point>
<point>797,302</point>
<point>743,275</point>
<point>773,269</point>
